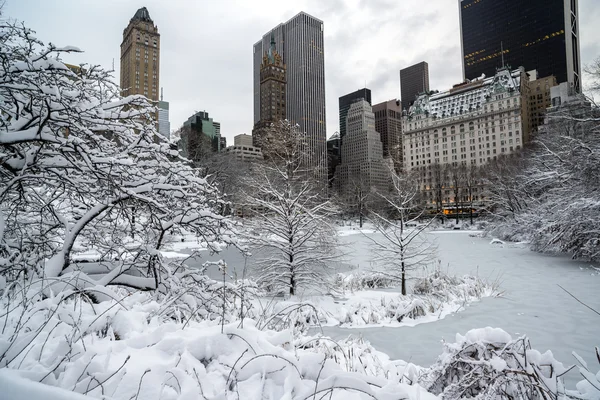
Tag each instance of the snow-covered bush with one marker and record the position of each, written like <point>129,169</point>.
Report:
<point>448,288</point>
<point>487,363</point>
<point>82,169</point>
<point>361,280</point>
<point>354,354</point>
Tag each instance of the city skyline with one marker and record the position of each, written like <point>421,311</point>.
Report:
<point>351,59</point>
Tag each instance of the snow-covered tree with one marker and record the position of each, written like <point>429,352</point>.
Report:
<point>404,245</point>
<point>82,169</point>
<point>549,194</point>
<point>291,219</point>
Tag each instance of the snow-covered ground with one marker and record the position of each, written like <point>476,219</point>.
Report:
<point>533,304</point>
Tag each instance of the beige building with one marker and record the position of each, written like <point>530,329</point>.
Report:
<point>470,124</point>
<point>140,57</point>
<point>388,123</point>
<point>242,139</point>
<point>539,99</point>
<point>243,149</point>
<point>361,150</point>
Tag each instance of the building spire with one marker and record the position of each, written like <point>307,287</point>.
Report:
<point>271,52</point>
<point>142,14</point>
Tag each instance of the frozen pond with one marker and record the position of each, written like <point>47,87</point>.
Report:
<point>532,304</point>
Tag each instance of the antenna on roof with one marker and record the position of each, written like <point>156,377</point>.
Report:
<point>502,52</point>
<point>161,93</point>
<point>113,64</point>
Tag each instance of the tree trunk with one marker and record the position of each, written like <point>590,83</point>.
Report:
<point>403,280</point>
<point>456,204</point>
<point>292,277</point>
<point>360,218</point>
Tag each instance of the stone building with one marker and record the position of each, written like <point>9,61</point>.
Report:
<point>470,125</point>
<point>361,153</point>
<point>272,92</point>
<point>140,57</point>
<point>243,148</point>
<point>540,98</point>
<point>388,122</point>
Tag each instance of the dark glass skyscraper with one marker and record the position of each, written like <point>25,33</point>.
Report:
<point>300,42</point>
<point>346,101</point>
<point>534,34</point>
<point>414,80</point>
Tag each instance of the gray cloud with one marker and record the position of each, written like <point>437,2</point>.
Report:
<point>206,46</point>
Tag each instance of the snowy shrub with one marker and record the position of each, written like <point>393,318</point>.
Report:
<point>450,288</point>
<point>361,280</point>
<point>487,363</point>
<point>289,315</point>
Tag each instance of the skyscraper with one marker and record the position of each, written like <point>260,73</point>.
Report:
<point>361,153</point>
<point>140,56</point>
<point>200,137</point>
<point>346,101</point>
<point>414,80</point>
<point>388,123</point>
<point>299,41</point>
<point>272,92</point>
<point>164,126</point>
<point>534,34</point>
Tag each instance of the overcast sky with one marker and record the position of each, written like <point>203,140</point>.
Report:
<point>206,45</point>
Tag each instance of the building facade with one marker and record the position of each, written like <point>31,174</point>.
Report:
<point>535,34</point>
<point>346,101</point>
<point>164,126</point>
<point>299,41</point>
<point>333,156</point>
<point>470,125</point>
<point>140,57</point>
<point>361,150</point>
<point>272,92</point>
<point>243,149</point>
<point>414,80</point>
<point>200,136</point>
<point>388,123</point>
<point>540,99</point>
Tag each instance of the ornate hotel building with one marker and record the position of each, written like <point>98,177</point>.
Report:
<point>470,124</point>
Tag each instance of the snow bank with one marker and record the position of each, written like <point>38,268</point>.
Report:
<point>434,297</point>
<point>15,387</point>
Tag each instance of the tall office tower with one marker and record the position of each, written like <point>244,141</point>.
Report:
<point>200,136</point>
<point>414,80</point>
<point>534,34</point>
<point>346,101</point>
<point>299,41</point>
<point>140,56</point>
<point>272,92</point>
<point>388,123</point>
<point>164,126</point>
<point>361,153</point>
